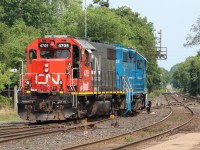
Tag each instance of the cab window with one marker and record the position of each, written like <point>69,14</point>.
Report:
<point>32,55</point>
<point>62,54</point>
<point>87,58</point>
<point>46,54</point>
<point>139,64</point>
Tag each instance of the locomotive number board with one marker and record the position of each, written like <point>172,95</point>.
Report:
<point>44,45</point>
<point>63,45</point>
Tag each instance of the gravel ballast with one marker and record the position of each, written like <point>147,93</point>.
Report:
<point>101,131</point>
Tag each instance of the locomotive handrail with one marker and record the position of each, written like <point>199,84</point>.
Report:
<point>72,78</point>
<point>21,86</point>
<point>129,84</point>
<point>74,96</point>
<point>128,101</point>
<point>130,87</point>
<point>125,85</point>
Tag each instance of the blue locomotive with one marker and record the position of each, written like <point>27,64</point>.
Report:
<point>131,72</point>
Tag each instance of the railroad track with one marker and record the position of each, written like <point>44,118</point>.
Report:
<point>190,99</point>
<point>130,139</point>
<point>16,132</point>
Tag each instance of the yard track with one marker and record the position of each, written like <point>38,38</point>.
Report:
<point>172,122</point>
<point>17,132</point>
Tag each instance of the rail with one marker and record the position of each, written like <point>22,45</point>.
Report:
<point>150,128</point>
<point>169,131</point>
<point>110,140</point>
<point>11,133</point>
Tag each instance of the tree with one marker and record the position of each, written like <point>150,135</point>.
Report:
<point>104,25</point>
<point>34,13</point>
<point>186,76</point>
<point>4,74</point>
<point>193,38</point>
<point>102,3</point>
<point>24,20</point>
<point>14,41</point>
<point>153,76</point>
<point>71,21</point>
<point>164,77</point>
<point>138,31</point>
<point>20,36</point>
<point>139,34</point>
<point>4,36</point>
<point>193,78</point>
<point>41,14</point>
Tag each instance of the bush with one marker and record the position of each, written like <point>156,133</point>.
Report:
<point>5,102</point>
<point>156,93</point>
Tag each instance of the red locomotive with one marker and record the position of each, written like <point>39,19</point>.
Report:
<point>69,78</point>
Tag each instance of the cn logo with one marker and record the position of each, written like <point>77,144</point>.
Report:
<point>46,78</point>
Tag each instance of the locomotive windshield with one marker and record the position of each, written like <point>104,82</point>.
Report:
<point>48,54</point>
<point>62,54</point>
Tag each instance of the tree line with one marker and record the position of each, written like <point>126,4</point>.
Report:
<point>186,75</point>
<point>24,20</point>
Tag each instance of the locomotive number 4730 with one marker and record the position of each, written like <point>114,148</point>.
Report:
<point>63,45</point>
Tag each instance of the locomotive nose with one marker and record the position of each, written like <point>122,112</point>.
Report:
<point>48,74</point>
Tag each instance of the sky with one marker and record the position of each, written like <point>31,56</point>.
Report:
<point>174,17</point>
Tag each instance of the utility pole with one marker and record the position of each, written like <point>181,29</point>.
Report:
<point>85,19</point>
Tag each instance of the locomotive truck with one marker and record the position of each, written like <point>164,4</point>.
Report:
<point>69,77</point>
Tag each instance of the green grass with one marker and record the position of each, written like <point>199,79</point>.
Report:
<point>7,114</point>
<point>129,139</point>
<point>175,118</point>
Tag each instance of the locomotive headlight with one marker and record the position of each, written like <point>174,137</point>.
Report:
<point>46,70</point>
<point>46,65</point>
<point>28,82</point>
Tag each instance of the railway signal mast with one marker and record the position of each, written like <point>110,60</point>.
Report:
<point>161,51</point>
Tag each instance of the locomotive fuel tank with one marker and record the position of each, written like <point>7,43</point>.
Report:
<point>98,108</point>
